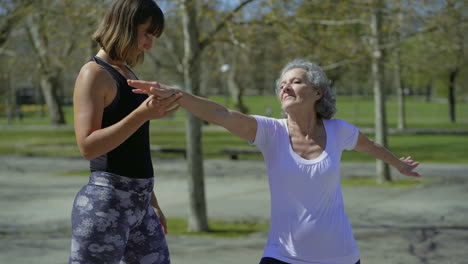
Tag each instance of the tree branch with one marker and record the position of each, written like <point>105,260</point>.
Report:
<point>345,62</point>
<point>12,18</point>
<point>205,42</point>
<point>174,55</point>
<point>333,22</point>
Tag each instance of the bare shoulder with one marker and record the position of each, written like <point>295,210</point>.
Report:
<point>92,73</point>
<point>95,81</point>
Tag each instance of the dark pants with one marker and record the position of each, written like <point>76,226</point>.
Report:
<point>275,261</point>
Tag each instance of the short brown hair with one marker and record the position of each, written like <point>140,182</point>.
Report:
<point>117,33</point>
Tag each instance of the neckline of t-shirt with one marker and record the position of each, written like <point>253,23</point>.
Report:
<point>300,159</point>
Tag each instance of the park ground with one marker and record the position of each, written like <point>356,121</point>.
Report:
<point>423,224</point>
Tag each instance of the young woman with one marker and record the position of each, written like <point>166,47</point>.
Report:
<point>116,217</point>
<point>302,154</point>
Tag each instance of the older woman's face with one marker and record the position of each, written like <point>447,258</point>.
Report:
<point>294,89</point>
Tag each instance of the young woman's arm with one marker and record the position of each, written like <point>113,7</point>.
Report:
<point>239,124</point>
<point>404,165</point>
<point>94,90</point>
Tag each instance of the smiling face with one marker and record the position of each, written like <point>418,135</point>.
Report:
<point>295,90</point>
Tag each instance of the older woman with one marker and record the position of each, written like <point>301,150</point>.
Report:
<point>302,154</point>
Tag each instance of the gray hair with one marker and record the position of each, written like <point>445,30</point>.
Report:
<point>316,77</point>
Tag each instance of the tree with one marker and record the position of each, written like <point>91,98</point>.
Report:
<point>453,26</point>
<point>436,47</point>
<point>191,67</point>
<point>50,70</point>
<point>14,11</point>
<point>193,48</point>
<point>383,171</point>
<point>50,47</point>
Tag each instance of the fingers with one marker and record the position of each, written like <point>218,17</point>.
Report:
<point>162,91</point>
<point>142,85</point>
<point>164,107</point>
<point>413,174</point>
<point>169,101</point>
<point>173,110</point>
<point>407,159</point>
<point>162,221</point>
<point>155,88</point>
<point>410,166</point>
<point>139,91</point>
<point>410,161</point>
<point>151,90</point>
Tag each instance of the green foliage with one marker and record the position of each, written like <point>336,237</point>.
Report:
<point>371,182</point>
<point>265,35</point>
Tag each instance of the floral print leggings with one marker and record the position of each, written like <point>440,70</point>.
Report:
<point>113,222</point>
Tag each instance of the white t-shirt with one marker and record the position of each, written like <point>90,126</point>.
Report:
<point>308,222</point>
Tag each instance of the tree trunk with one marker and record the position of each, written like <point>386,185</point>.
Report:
<point>50,87</point>
<point>428,92</point>
<point>193,46</point>
<point>235,90</point>
<point>198,221</point>
<point>9,98</point>
<point>49,71</point>
<point>451,94</point>
<point>400,91</point>
<point>383,171</point>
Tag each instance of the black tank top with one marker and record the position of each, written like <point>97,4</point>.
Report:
<point>132,158</point>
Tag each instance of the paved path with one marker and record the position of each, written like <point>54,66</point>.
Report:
<point>425,224</point>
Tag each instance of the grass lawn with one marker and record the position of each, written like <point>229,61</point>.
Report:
<point>356,110</point>
<point>61,143</point>
<point>218,228</point>
<point>170,131</point>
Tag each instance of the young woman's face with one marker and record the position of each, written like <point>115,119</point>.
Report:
<point>145,39</point>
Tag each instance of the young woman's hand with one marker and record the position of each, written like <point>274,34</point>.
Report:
<point>162,219</point>
<point>154,107</point>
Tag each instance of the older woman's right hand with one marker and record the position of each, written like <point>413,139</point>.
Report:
<point>154,88</point>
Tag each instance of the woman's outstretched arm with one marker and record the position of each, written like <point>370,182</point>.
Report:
<point>404,165</point>
<point>239,124</point>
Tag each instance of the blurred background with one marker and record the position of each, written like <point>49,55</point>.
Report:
<point>423,43</point>
<point>399,69</point>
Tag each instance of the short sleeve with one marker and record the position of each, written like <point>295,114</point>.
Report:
<point>348,135</point>
<point>267,129</point>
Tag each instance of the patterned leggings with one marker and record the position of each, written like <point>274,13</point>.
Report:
<point>113,222</point>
